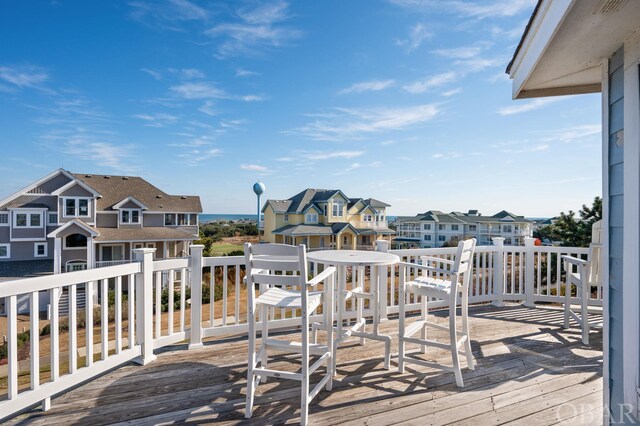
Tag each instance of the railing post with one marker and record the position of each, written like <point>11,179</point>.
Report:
<point>144,304</point>
<point>498,272</point>
<point>383,274</point>
<point>529,272</point>
<point>195,264</point>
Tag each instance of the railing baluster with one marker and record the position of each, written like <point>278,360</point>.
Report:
<point>170,298</point>
<point>118,314</point>
<point>158,304</point>
<point>131,297</point>
<point>12,331</point>
<point>55,333</point>
<point>104,320</point>
<point>183,297</point>
<point>225,295</point>
<point>73,334</point>
<point>237,285</point>
<point>34,338</point>
<point>212,288</point>
<point>89,323</point>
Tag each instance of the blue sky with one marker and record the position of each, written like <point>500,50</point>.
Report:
<point>403,100</point>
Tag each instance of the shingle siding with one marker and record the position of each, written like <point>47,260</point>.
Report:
<point>616,230</point>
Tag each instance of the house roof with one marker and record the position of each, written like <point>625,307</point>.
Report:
<point>74,222</point>
<point>458,217</point>
<point>143,234</point>
<point>28,201</point>
<point>524,35</point>
<point>114,189</point>
<point>14,270</point>
<point>311,230</point>
<point>311,196</point>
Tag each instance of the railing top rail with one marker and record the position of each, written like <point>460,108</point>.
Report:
<point>489,249</point>
<point>47,282</point>
<point>223,261</point>
<point>169,264</point>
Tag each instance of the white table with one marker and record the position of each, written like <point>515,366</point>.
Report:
<point>341,259</point>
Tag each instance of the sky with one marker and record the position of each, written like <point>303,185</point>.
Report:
<point>405,101</point>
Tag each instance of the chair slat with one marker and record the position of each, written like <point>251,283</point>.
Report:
<point>275,264</point>
<point>274,250</point>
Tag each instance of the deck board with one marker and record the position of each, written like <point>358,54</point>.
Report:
<point>530,371</point>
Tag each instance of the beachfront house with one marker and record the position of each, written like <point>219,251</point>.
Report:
<point>435,228</point>
<point>589,46</point>
<point>73,221</point>
<point>323,219</point>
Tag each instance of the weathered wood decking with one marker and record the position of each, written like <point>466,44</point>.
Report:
<point>530,371</point>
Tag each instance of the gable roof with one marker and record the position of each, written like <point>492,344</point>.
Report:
<point>469,218</point>
<point>114,189</point>
<point>35,184</point>
<point>92,231</point>
<point>74,182</point>
<point>126,200</point>
<point>311,196</point>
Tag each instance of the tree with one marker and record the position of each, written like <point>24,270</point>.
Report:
<point>573,231</point>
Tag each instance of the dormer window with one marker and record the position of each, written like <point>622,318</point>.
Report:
<point>129,216</point>
<point>76,207</point>
<point>337,208</point>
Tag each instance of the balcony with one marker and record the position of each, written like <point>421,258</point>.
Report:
<point>530,369</point>
<point>370,225</point>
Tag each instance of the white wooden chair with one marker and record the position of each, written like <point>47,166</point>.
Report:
<point>445,283</point>
<point>586,275</point>
<point>262,261</point>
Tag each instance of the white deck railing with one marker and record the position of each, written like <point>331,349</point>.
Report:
<point>159,312</point>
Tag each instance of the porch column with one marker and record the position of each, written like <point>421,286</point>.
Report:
<point>354,241</point>
<point>90,253</point>
<point>57,255</point>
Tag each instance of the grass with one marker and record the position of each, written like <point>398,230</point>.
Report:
<point>220,249</point>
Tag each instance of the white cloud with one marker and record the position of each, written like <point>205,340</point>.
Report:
<point>575,133</point>
<point>452,92</point>
<point>313,156</point>
<point>254,168</point>
<point>240,72</point>
<point>446,155</point>
<point>367,86</point>
<point>417,36</point>
<point>428,83</point>
<point>198,154</point>
<point>353,123</point>
<point>471,9</point>
<point>23,75</point>
<point>187,73</point>
<point>528,149</point>
<point>158,119</point>
<point>465,52</point>
<point>199,90</point>
<point>255,30</point>
<point>252,98</point>
<point>208,108</point>
<point>168,14</point>
<point>155,74</point>
<point>521,107</point>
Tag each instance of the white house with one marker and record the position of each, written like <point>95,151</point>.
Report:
<point>587,46</point>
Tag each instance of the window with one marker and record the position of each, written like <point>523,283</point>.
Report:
<point>129,216</point>
<point>507,241</point>
<point>182,219</point>
<point>454,227</point>
<point>427,237</point>
<point>75,241</point>
<point>506,228</point>
<point>337,208</point>
<point>324,209</point>
<point>442,238</point>
<point>5,251</point>
<point>76,207</point>
<point>286,218</point>
<point>53,218</point>
<point>311,218</point>
<point>442,228</point>
<point>4,218</point>
<point>40,250</point>
<point>427,227</point>
<point>169,219</point>
<point>381,218</point>
<point>515,228</point>
<point>368,218</point>
<point>472,228</point>
<point>28,219</point>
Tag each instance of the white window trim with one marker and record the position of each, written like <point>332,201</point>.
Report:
<point>28,213</point>
<point>8,246</point>
<point>8,220</point>
<point>340,207</point>
<point>64,244</point>
<point>35,250</point>
<point>311,218</point>
<point>76,207</point>
<point>49,214</point>
<point>130,222</point>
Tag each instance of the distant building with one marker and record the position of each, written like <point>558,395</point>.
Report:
<point>321,218</point>
<point>435,228</point>
<point>69,221</point>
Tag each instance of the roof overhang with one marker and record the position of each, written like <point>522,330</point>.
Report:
<point>565,44</point>
<point>92,231</point>
<point>126,200</point>
<point>73,183</point>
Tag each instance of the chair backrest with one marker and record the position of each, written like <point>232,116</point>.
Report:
<point>595,254</point>
<point>275,265</point>
<point>464,261</point>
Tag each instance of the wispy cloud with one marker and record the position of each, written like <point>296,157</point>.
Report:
<point>310,156</point>
<point>198,155</point>
<point>519,108</point>
<point>572,134</point>
<point>187,73</point>
<point>367,86</point>
<point>255,30</point>
<point>417,36</point>
<point>354,123</point>
<point>430,82</point>
<point>155,74</point>
<point>446,155</point>
<point>241,72</point>
<point>471,9</point>
<point>463,52</point>
<point>357,166</point>
<point>168,14</point>
<point>452,92</point>
<point>24,75</point>
<point>199,90</point>
<point>157,119</point>
<point>528,149</point>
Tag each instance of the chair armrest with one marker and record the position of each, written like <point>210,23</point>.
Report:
<point>437,259</point>
<point>322,276</point>
<point>425,267</point>
<point>575,261</point>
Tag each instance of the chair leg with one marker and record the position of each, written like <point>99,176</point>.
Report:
<point>584,307</point>
<point>453,335</point>
<point>252,362</point>
<point>465,330</point>
<point>304,383</point>
<point>401,296</point>
<point>567,300</point>
<point>265,336</point>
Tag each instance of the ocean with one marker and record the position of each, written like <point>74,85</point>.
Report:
<point>207,217</point>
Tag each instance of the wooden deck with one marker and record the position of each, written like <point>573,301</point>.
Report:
<point>530,371</point>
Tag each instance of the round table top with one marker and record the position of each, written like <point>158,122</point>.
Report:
<point>353,257</point>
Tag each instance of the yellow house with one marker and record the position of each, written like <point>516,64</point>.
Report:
<point>322,218</point>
